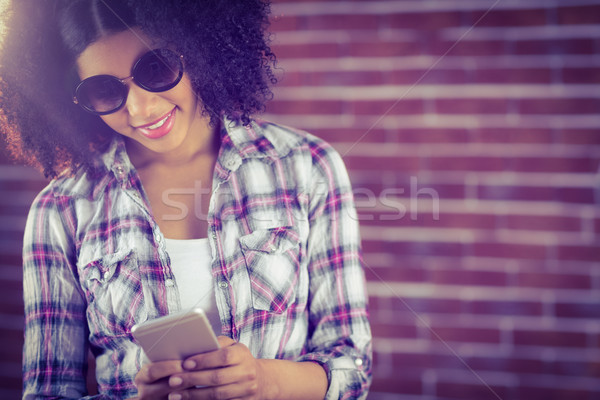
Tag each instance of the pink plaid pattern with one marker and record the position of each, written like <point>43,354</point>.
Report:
<point>286,265</point>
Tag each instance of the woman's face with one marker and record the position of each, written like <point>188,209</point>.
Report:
<point>161,122</point>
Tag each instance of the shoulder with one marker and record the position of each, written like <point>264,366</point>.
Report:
<point>286,140</point>
<point>314,158</point>
<point>80,184</point>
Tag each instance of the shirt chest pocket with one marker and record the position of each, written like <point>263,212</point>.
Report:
<point>272,259</point>
<point>113,290</point>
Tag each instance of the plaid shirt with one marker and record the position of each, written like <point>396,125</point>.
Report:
<point>286,265</point>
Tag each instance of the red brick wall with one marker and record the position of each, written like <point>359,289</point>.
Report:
<point>471,132</point>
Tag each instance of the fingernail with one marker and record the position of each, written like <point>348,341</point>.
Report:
<point>175,381</point>
<point>174,396</point>
<point>189,364</point>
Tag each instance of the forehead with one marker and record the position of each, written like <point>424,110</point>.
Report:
<point>113,54</point>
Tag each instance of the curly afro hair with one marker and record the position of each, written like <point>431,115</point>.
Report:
<point>224,43</point>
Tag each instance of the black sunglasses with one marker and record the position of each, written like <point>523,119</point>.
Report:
<point>156,71</point>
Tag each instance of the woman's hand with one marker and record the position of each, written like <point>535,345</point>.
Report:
<point>228,373</point>
<point>231,373</point>
<point>152,380</point>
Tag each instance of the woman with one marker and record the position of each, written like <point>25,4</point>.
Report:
<point>166,195</point>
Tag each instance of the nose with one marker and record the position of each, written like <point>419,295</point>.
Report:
<point>140,103</point>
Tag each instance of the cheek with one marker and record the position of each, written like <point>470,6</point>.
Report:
<point>117,121</point>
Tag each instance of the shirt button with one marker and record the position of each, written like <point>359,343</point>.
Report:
<point>358,362</point>
<point>272,247</point>
<point>158,237</point>
<point>214,235</point>
<point>169,282</point>
<point>223,285</point>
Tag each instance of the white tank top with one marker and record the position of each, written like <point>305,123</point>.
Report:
<point>191,265</point>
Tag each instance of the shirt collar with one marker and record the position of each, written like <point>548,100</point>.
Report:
<point>259,139</point>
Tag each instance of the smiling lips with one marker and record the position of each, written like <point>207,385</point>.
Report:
<point>160,127</point>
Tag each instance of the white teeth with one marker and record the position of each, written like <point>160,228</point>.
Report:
<point>159,123</point>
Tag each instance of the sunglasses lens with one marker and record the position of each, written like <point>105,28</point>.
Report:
<point>101,94</point>
<point>158,70</point>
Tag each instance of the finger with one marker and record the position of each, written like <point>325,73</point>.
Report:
<point>153,372</point>
<point>224,357</point>
<point>213,377</point>
<point>229,392</point>
<point>225,341</point>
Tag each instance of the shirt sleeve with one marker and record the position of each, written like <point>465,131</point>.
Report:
<point>340,337</point>
<point>55,349</point>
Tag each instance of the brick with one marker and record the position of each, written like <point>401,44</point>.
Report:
<point>471,106</point>
<point>405,383</point>
<point>335,107</point>
<point>533,391</point>
<point>351,135</point>
<point>469,48</point>
<point>585,310</point>
<point>585,164</point>
<point>394,330</point>
<point>511,363</point>
<point>509,250</point>
<point>468,277</point>
<point>406,249</point>
<point>14,234</point>
<point>575,368</point>
<point>421,305</point>
<point>333,78</point>
<point>505,18</point>
<point>400,273</point>
<point>12,352</point>
<point>549,338</point>
<point>424,135</point>
<point>467,163</point>
<point>464,334</point>
<point>525,193</point>
<point>584,14</point>
<point>475,391</point>
<point>382,48</point>
<point>344,22</point>
<point>425,21</point>
<point>583,75</point>
<point>513,75</point>
<point>437,75</point>
<point>554,281</point>
<point>446,190</point>
<point>282,22</point>
<point>316,50</point>
<point>21,185</point>
<point>382,163</point>
<point>579,136</point>
<point>389,107</point>
<point>555,46</point>
<point>541,222</point>
<point>14,258</point>
<point>426,361</point>
<point>11,298</point>
<point>576,195</point>
<point>507,307</point>
<point>559,106</point>
<point>512,135</point>
<point>427,218</point>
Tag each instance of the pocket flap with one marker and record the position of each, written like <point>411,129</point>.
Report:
<point>272,241</point>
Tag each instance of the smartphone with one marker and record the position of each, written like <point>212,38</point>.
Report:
<point>176,336</point>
